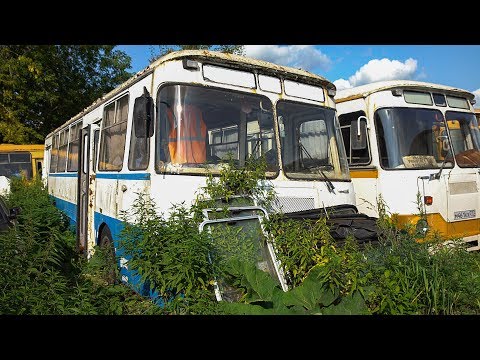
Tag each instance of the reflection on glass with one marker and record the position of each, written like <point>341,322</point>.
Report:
<point>202,126</point>
<point>465,135</point>
<point>311,142</point>
<point>412,138</point>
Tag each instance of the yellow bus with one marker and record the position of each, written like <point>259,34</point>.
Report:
<point>16,160</point>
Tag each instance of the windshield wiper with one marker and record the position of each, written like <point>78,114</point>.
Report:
<point>328,183</point>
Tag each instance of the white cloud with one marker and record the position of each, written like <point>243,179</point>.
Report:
<point>477,97</point>
<point>306,57</point>
<point>380,70</point>
<point>341,84</point>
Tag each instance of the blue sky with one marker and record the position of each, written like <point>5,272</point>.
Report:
<point>353,65</point>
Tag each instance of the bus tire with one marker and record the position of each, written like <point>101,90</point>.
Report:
<point>106,242</point>
<point>105,237</point>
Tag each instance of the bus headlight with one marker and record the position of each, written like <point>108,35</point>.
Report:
<point>422,226</point>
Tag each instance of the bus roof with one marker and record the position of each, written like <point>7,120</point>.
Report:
<point>16,147</point>
<point>365,90</point>
<point>212,57</point>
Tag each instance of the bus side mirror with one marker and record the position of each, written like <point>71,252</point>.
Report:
<point>143,115</point>
<point>358,133</point>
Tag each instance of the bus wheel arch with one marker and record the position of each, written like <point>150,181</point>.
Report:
<point>105,240</point>
<point>104,235</point>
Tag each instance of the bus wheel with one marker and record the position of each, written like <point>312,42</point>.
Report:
<point>106,245</point>
<point>106,238</point>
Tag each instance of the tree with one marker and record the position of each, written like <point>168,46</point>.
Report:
<point>42,86</point>
<point>165,49</point>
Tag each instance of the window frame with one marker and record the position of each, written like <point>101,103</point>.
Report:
<point>158,163</point>
<point>104,129</point>
<point>66,133</point>
<point>54,153</point>
<point>379,155</point>
<point>349,153</point>
<point>78,127</point>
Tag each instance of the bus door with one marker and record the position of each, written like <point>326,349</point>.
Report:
<point>86,188</point>
<point>463,202</point>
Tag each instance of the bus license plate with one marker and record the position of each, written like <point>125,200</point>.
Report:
<point>466,214</point>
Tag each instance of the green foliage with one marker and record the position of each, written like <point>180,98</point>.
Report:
<point>313,296</point>
<point>180,262</point>
<point>407,277</point>
<point>94,294</point>
<point>404,279</point>
<point>235,185</point>
<point>298,245</point>
<point>33,255</point>
<point>42,86</point>
<point>166,49</point>
<point>461,271</point>
<point>302,244</point>
<point>171,255</point>
<point>43,274</point>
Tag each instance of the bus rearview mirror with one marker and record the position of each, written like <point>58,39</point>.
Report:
<point>358,133</point>
<point>143,115</point>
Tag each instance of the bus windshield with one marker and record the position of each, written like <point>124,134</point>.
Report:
<point>412,138</point>
<point>463,128</point>
<point>199,127</point>
<point>311,142</point>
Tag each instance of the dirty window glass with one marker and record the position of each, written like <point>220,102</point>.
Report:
<point>412,138</point>
<point>73,147</point>
<point>463,128</point>
<point>62,151</point>
<point>354,156</point>
<point>311,141</point>
<point>417,97</point>
<point>457,102</point>
<point>139,151</point>
<point>112,143</point>
<point>199,128</point>
<point>54,154</point>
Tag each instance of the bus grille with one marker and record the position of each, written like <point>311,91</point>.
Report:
<point>293,204</point>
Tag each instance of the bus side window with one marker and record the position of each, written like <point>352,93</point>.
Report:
<point>39,168</point>
<point>54,154</point>
<point>359,157</point>
<point>96,136</point>
<point>114,129</point>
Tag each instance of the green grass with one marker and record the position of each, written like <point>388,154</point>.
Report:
<point>43,274</point>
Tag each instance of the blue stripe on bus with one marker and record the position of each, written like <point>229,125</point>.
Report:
<point>116,226</point>
<point>73,174</point>
<point>127,176</point>
<point>116,176</point>
<point>70,209</point>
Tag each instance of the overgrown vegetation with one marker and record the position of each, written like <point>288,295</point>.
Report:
<point>43,274</point>
<point>161,50</point>
<point>181,265</point>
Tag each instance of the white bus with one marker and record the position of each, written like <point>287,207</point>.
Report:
<point>159,132</point>
<point>398,136</point>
